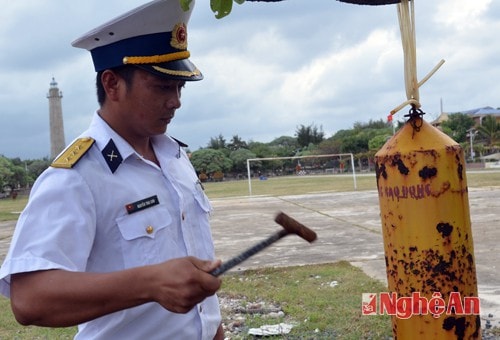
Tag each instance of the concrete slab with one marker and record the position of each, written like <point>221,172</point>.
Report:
<point>349,228</point>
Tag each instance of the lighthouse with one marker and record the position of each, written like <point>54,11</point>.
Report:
<point>57,143</point>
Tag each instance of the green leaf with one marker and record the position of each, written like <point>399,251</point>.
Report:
<point>221,8</point>
<point>185,4</point>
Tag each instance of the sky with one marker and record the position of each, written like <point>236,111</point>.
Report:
<point>269,67</point>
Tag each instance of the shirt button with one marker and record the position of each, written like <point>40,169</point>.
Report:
<point>201,309</point>
<point>183,216</point>
<point>149,229</point>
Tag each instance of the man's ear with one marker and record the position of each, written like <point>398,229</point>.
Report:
<point>113,84</point>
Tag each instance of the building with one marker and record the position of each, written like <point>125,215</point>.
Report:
<point>479,114</point>
<point>57,143</point>
<point>476,114</point>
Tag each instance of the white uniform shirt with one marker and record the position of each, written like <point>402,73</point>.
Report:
<point>77,220</point>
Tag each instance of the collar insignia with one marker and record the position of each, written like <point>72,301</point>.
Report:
<point>181,144</point>
<point>112,156</point>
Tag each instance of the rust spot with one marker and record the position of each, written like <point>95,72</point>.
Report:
<point>403,170</point>
<point>426,172</point>
<point>470,259</point>
<point>433,153</point>
<point>432,284</point>
<point>458,323</point>
<point>444,229</point>
<point>442,267</point>
<point>464,250</point>
<point>460,170</point>
<point>380,171</point>
<point>449,323</point>
<point>478,327</point>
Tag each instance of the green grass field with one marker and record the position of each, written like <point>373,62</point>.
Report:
<point>330,312</point>
<point>279,186</point>
<point>298,185</point>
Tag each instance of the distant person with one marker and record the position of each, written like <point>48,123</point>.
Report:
<point>116,237</point>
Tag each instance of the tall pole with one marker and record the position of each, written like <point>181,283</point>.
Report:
<point>472,134</point>
<point>249,178</point>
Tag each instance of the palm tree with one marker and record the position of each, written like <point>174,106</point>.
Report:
<point>490,130</point>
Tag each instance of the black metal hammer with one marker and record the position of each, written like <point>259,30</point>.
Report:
<point>290,226</point>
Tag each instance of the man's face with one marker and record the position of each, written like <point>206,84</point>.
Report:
<point>150,103</point>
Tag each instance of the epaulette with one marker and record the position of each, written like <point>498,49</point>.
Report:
<point>73,153</point>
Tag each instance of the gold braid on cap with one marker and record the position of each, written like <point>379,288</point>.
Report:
<point>178,73</point>
<point>157,59</point>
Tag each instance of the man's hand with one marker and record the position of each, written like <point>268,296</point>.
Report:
<point>182,283</point>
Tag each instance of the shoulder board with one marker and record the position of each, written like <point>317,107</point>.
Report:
<point>73,153</point>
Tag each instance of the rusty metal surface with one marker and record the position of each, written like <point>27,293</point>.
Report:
<point>426,226</point>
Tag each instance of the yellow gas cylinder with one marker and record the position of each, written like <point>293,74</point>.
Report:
<point>429,253</point>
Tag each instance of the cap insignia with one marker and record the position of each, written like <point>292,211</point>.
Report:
<point>179,36</point>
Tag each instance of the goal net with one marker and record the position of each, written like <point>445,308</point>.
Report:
<point>313,165</point>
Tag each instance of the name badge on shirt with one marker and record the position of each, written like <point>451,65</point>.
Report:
<point>142,204</point>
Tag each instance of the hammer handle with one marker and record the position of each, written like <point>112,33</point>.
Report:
<point>249,252</point>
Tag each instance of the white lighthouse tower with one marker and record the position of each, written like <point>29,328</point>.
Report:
<point>57,143</point>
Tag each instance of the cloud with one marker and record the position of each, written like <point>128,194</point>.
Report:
<point>268,67</point>
<point>462,15</point>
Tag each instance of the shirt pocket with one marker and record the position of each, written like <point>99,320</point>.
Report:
<point>146,223</point>
<point>145,236</point>
<point>200,225</point>
<point>201,199</point>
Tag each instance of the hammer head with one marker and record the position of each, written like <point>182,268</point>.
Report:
<point>294,227</point>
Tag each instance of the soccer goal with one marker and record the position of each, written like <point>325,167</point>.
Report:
<point>262,168</point>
